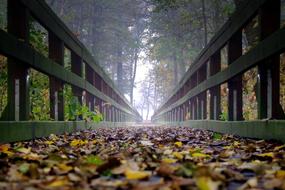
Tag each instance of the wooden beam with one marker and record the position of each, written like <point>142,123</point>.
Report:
<point>235,84</point>
<point>56,53</point>
<point>268,94</point>
<point>76,68</point>
<point>18,82</point>
<point>273,45</point>
<point>215,92</point>
<point>238,20</point>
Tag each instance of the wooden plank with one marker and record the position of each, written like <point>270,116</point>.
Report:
<point>235,84</point>
<point>56,53</point>
<point>20,131</point>
<point>76,68</point>
<point>260,129</point>
<point>268,94</point>
<point>239,19</point>
<point>18,91</point>
<point>215,93</point>
<point>273,45</point>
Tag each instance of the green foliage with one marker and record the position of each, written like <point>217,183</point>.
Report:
<point>74,110</point>
<point>38,38</point>
<point>224,116</point>
<point>3,14</point>
<point>39,96</point>
<point>217,136</point>
<point>3,83</point>
<point>39,83</point>
<point>96,160</point>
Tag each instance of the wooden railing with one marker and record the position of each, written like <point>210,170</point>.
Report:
<point>14,44</point>
<point>205,76</point>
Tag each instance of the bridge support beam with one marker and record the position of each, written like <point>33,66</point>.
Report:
<point>269,70</point>
<point>215,92</point>
<point>56,53</point>
<point>90,78</point>
<point>202,98</point>
<point>235,84</point>
<point>98,84</point>
<point>76,67</point>
<point>18,92</point>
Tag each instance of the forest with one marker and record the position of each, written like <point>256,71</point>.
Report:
<point>145,46</point>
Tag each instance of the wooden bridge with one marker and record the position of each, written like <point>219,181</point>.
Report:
<point>187,106</point>
<point>98,87</point>
<point>206,76</point>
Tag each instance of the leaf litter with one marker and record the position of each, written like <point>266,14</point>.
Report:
<point>152,158</point>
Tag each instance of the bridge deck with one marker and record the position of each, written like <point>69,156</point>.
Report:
<point>142,157</point>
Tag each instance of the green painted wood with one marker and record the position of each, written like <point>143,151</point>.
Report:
<point>239,19</point>
<point>45,15</point>
<point>12,131</point>
<point>273,45</point>
<point>21,51</point>
<point>260,129</point>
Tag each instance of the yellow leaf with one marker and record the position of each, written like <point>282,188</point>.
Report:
<point>24,150</point>
<point>280,174</point>
<point>58,183</point>
<point>49,142</point>
<point>133,175</point>
<point>5,149</point>
<point>206,183</point>
<point>178,144</point>
<point>78,142</point>
<point>94,141</point>
<point>268,154</point>
<point>279,147</point>
<point>199,155</point>
<point>236,143</point>
<point>169,160</point>
<point>177,155</point>
<point>64,167</point>
<point>32,156</point>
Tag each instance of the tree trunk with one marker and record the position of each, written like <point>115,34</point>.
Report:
<point>204,23</point>
<point>120,69</point>
<point>175,70</point>
<point>134,76</point>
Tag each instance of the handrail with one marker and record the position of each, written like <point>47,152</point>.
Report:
<point>190,95</point>
<point>44,14</point>
<point>14,44</point>
<point>235,23</point>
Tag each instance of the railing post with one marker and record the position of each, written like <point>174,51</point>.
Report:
<point>202,98</point>
<point>76,67</point>
<point>56,53</point>
<point>269,70</point>
<point>18,82</point>
<point>98,84</point>
<point>235,85</point>
<point>90,78</point>
<point>215,92</point>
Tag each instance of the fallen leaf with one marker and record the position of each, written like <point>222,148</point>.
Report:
<point>136,175</point>
<point>58,182</point>
<point>280,174</point>
<point>169,160</point>
<point>24,150</point>
<point>178,144</point>
<point>146,143</point>
<point>177,155</point>
<point>200,155</point>
<point>206,183</point>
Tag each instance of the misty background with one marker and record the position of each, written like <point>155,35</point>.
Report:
<point>144,45</point>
